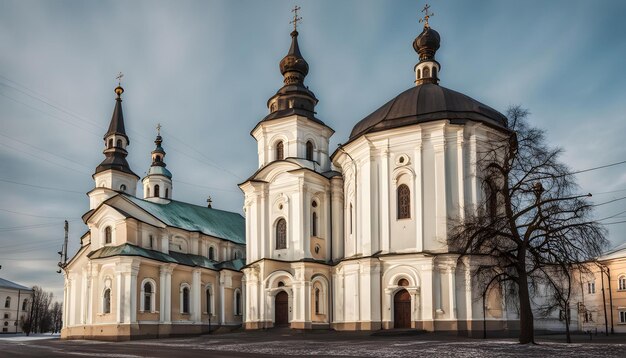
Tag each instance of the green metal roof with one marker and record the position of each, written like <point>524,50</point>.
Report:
<point>213,222</point>
<point>157,170</point>
<point>172,257</point>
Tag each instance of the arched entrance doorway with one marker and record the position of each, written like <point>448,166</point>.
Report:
<point>402,309</point>
<point>281,309</point>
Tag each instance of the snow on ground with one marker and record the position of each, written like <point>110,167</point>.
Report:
<point>24,338</point>
<point>393,349</point>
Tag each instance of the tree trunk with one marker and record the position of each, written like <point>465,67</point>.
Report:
<point>568,337</point>
<point>526,324</point>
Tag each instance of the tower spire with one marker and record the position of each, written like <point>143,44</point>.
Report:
<point>115,139</point>
<point>158,182</point>
<point>294,95</point>
<point>426,46</point>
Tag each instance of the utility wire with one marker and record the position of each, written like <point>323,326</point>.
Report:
<point>600,167</point>
<point>35,216</point>
<point>41,187</point>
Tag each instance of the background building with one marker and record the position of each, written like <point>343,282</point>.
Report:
<point>14,304</point>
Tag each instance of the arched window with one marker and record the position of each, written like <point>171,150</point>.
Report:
<point>309,150</point>
<point>419,73</point>
<point>209,309</point>
<point>314,224</point>
<point>107,235</point>
<point>404,202</point>
<point>403,282</point>
<point>7,302</point>
<point>167,193</point>
<point>106,301</point>
<point>434,72</point>
<point>237,303</point>
<point>147,192</point>
<point>148,297</point>
<point>317,301</point>
<point>426,72</point>
<point>157,158</point>
<point>621,283</point>
<point>184,300</point>
<point>118,143</point>
<point>235,254</point>
<point>24,304</point>
<point>122,187</point>
<point>111,143</point>
<point>156,191</point>
<point>211,253</point>
<point>280,151</point>
<point>281,234</point>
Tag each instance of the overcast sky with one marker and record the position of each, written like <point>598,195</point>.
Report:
<point>205,69</point>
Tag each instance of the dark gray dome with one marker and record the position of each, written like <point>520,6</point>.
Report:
<point>424,103</point>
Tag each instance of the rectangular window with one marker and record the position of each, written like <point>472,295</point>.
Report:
<point>6,315</point>
<point>622,316</point>
<point>591,287</point>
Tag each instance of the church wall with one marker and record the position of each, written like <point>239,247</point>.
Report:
<point>147,271</point>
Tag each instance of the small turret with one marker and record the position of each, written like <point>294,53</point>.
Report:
<point>157,184</point>
<point>426,46</point>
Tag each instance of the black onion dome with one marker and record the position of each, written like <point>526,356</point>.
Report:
<point>424,103</point>
<point>294,62</point>
<point>427,43</point>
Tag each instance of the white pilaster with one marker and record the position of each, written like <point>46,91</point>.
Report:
<point>419,220</point>
<point>452,290</point>
<point>384,199</point>
<point>196,289</point>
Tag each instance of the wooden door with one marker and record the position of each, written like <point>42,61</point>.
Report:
<point>281,307</point>
<point>402,309</point>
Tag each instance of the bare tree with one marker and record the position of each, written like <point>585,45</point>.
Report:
<point>38,319</point>
<point>531,217</point>
<point>56,312</point>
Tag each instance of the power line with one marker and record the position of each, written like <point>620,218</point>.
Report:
<point>28,227</point>
<point>42,159</point>
<point>610,201</point>
<point>596,168</point>
<point>44,150</point>
<point>41,187</point>
<point>31,215</point>
<point>613,223</point>
<point>206,187</point>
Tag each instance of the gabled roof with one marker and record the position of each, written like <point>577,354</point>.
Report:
<point>172,257</point>
<point>12,285</point>
<point>212,222</point>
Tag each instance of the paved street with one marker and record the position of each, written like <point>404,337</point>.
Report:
<point>320,344</point>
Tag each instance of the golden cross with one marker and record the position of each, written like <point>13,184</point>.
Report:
<point>295,18</point>
<point>119,77</point>
<point>158,127</point>
<point>426,16</point>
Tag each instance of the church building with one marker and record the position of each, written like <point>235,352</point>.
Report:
<point>152,266</point>
<point>350,239</point>
<point>356,239</point>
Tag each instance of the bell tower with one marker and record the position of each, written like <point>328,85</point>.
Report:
<point>114,175</point>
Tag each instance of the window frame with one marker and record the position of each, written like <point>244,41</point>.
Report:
<point>280,150</point>
<point>280,234</point>
<point>152,297</point>
<point>185,302</point>
<point>403,202</point>
<point>621,283</point>
<point>106,301</point>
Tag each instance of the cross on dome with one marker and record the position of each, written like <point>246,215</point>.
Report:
<point>295,18</point>
<point>427,16</point>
